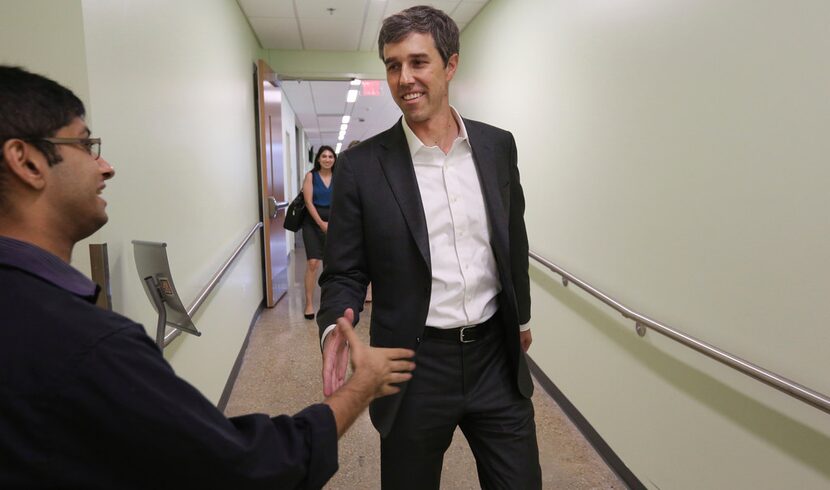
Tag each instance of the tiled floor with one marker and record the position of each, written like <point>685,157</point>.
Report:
<point>281,374</point>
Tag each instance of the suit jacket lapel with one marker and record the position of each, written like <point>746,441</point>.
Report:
<point>397,166</point>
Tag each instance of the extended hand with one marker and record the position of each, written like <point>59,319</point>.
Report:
<point>525,339</point>
<point>378,368</point>
<point>336,354</point>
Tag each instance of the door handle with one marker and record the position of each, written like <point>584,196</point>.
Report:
<point>274,206</point>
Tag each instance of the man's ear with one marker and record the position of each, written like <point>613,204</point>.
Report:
<point>23,162</point>
<point>452,64</point>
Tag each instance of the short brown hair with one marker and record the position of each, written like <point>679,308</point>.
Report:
<point>424,20</point>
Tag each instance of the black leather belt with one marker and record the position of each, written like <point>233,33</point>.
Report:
<point>463,335</point>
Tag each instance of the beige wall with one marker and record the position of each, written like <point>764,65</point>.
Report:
<point>171,96</point>
<point>674,155</point>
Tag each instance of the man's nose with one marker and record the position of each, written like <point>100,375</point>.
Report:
<point>107,170</point>
<point>406,75</point>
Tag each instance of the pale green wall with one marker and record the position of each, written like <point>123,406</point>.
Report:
<point>326,64</point>
<point>29,30</point>
<point>674,155</point>
<point>171,95</point>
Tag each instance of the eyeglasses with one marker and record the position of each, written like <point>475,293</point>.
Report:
<point>90,145</point>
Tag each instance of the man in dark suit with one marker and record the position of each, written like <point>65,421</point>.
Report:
<point>431,212</point>
<point>86,398</point>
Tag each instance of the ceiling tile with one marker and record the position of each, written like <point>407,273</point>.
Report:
<point>371,29</point>
<point>274,33</point>
<point>267,8</point>
<point>344,9</point>
<point>299,98</point>
<point>329,97</point>
<point>395,6</point>
<point>376,8</point>
<point>329,34</point>
<point>330,123</point>
<point>372,114</point>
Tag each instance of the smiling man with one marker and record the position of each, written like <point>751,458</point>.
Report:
<point>86,398</point>
<point>431,212</point>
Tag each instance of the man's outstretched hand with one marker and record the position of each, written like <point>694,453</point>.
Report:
<point>380,367</point>
<point>336,355</point>
<point>376,371</point>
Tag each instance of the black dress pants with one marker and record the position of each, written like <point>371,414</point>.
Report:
<point>470,386</point>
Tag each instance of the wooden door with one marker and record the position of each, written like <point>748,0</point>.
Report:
<point>269,115</point>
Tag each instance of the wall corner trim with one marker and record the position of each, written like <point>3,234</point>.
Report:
<point>226,393</point>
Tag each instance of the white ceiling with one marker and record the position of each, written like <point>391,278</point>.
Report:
<point>353,25</point>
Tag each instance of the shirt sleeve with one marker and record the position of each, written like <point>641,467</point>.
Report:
<point>326,333</point>
<point>154,428</point>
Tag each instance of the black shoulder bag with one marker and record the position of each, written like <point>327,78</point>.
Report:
<point>295,213</point>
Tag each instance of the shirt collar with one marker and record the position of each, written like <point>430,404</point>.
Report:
<point>415,143</point>
<point>38,262</point>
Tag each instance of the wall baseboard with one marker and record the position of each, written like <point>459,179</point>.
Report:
<point>226,393</point>
<point>593,437</point>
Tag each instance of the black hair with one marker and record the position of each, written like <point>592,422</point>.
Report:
<point>424,20</point>
<point>320,152</point>
<point>33,107</point>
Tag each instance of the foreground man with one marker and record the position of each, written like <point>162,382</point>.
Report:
<point>431,212</point>
<point>86,398</point>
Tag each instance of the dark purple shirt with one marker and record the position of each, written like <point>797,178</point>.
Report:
<point>88,401</point>
<point>49,267</point>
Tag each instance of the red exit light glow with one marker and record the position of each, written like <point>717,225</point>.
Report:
<point>370,87</point>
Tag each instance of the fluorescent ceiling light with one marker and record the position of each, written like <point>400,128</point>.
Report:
<point>351,95</point>
<point>337,148</point>
<point>341,136</point>
<point>346,119</point>
<point>355,81</point>
<point>343,127</point>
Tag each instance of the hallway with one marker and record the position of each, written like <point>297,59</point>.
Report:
<point>280,373</point>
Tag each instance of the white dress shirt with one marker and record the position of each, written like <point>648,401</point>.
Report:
<point>465,281</point>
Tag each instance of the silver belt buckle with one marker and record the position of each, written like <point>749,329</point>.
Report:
<point>461,336</point>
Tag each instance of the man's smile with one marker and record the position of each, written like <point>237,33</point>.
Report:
<point>412,95</point>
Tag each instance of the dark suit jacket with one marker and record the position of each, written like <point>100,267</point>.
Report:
<point>377,232</point>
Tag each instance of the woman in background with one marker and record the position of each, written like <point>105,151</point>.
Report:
<point>317,194</point>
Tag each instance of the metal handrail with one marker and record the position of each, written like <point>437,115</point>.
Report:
<point>211,284</point>
<point>800,392</point>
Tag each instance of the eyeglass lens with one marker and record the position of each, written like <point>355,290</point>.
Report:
<point>94,149</point>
